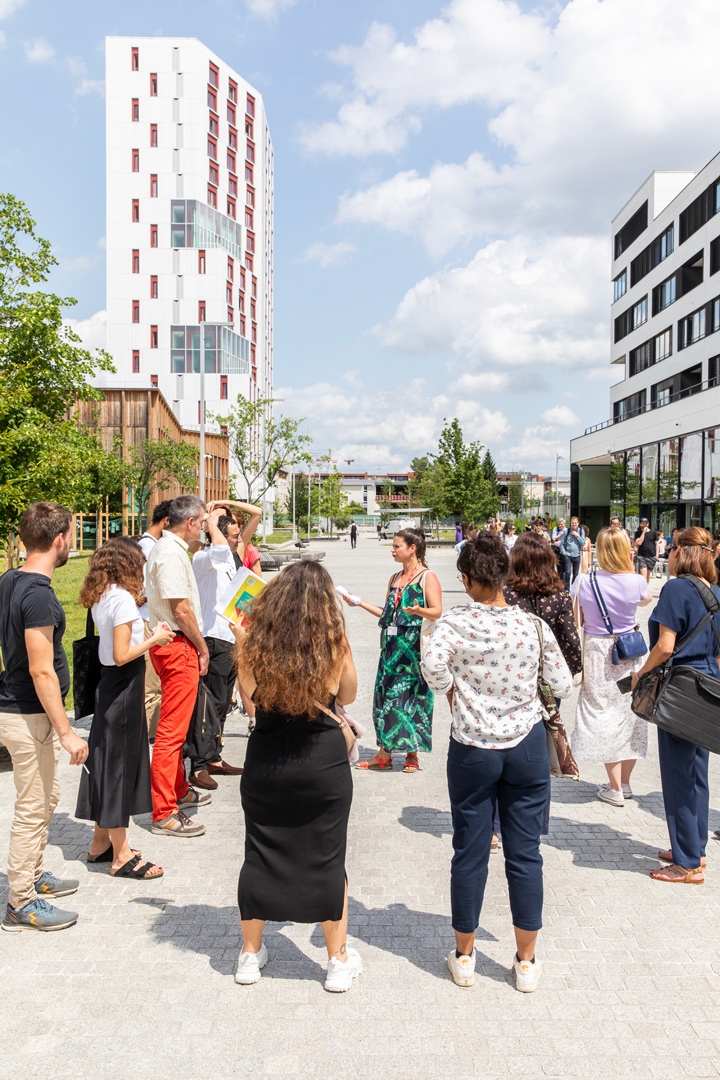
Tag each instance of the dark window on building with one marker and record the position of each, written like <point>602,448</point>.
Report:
<point>629,406</point>
<point>683,384</point>
<point>652,255</point>
<point>699,212</point>
<point>683,281</point>
<point>715,255</point>
<point>650,352</point>
<point>630,231</point>
<point>630,319</point>
<point>714,371</point>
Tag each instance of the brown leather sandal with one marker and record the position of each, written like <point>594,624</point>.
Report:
<point>682,875</point>
<point>666,856</point>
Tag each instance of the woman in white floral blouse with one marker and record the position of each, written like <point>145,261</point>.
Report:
<point>485,656</point>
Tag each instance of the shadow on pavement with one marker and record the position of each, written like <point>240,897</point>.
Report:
<point>426,819</point>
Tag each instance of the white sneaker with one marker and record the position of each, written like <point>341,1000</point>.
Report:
<point>340,976</point>
<point>249,965</point>
<point>527,974</point>
<point>626,790</point>
<point>462,968</point>
<point>608,794</point>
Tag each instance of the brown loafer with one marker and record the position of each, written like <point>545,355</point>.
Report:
<point>223,769</point>
<point>203,779</point>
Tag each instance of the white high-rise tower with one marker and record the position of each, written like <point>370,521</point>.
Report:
<point>189,225</point>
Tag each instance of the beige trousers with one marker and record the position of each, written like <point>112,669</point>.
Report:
<point>152,690</point>
<point>34,748</point>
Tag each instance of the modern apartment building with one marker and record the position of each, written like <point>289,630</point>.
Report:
<point>658,454</point>
<point>189,226</point>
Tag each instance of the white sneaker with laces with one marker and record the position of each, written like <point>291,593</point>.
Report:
<point>609,795</point>
<point>527,974</point>
<point>340,976</point>
<point>462,968</point>
<point>626,790</point>
<point>249,965</point>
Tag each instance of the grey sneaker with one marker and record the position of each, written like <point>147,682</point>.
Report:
<point>49,885</point>
<point>192,797</point>
<point>39,915</point>
<point>177,825</point>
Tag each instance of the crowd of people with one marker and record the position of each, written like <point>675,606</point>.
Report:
<point>531,626</point>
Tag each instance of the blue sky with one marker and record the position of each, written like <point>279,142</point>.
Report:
<point>445,179</point>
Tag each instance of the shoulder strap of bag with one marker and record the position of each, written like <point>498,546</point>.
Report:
<point>600,602</point>
<point>712,606</point>
<point>89,624</point>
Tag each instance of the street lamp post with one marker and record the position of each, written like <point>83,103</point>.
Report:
<point>203,327</point>
<point>558,455</point>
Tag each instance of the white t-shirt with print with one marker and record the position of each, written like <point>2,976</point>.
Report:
<point>115,607</point>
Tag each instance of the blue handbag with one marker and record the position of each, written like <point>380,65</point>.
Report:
<point>627,646</point>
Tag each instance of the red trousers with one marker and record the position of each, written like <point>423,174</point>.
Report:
<point>179,670</point>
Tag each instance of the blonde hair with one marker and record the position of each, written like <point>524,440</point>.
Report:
<point>614,552</point>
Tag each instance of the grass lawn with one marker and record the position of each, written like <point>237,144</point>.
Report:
<point>66,583</point>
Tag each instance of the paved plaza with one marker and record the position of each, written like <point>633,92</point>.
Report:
<point>143,985</point>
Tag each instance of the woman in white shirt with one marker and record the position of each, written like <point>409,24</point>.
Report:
<point>486,656</point>
<point>115,784</point>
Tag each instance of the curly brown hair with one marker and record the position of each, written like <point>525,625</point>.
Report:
<point>533,567</point>
<point>295,646</point>
<point>118,562</point>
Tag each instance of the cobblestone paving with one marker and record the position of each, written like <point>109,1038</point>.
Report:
<point>143,986</point>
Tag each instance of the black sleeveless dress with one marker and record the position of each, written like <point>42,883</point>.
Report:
<point>296,794</point>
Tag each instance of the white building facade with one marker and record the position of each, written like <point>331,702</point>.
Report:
<point>658,453</point>
<point>189,226</point>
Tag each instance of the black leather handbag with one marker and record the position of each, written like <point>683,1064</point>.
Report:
<point>86,670</point>
<point>679,698</point>
<point>203,741</point>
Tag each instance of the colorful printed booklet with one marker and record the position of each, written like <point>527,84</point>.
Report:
<point>235,601</point>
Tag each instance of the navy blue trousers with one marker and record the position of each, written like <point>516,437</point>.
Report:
<point>517,782</point>
<point>684,774</point>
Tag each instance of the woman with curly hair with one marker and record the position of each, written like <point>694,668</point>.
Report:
<point>116,782</point>
<point>296,664</point>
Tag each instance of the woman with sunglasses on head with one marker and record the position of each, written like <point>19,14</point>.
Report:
<point>115,784</point>
<point>403,703</point>
<point>683,765</point>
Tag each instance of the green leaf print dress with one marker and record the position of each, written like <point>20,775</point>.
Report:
<point>403,702</point>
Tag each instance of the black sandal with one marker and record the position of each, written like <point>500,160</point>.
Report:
<point>104,856</point>
<point>132,869</point>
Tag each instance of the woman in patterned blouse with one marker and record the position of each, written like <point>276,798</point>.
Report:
<point>485,655</point>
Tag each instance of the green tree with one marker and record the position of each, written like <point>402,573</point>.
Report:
<point>428,489</point>
<point>467,492</point>
<point>262,445</point>
<point>419,466</point>
<point>155,464</point>
<point>332,498</point>
<point>301,502</point>
<point>515,494</point>
<point>43,371</point>
<point>488,469</point>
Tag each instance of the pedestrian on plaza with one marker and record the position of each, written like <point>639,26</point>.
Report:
<point>647,548</point>
<point>147,542</point>
<point>572,543</point>
<point>486,656</point>
<point>214,567</point>
<point>353,534</point>
<point>458,532</point>
<point>683,765</point>
<point>586,553</point>
<point>115,785</point>
<point>246,517</point>
<point>33,721</point>
<point>508,536</point>
<point>558,530</point>
<point>295,661</point>
<point>606,729</point>
<point>615,524</point>
<point>403,703</point>
<point>173,599</point>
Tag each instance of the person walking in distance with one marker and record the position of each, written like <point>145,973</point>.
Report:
<point>213,567</point>
<point>173,599</point>
<point>33,721</point>
<point>147,542</point>
<point>572,543</point>
<point>646,545</point>
<point>353,534</point>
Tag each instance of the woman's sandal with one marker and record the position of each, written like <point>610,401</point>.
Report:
<point>411,763</point>
<point>132,869</point>
<point>681,875</point>
<point>375,764</point>
<point>666,856</point>
<point>104,856</point>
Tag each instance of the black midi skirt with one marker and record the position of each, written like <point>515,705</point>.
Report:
<point>296,794</point>
<point>118,761</point>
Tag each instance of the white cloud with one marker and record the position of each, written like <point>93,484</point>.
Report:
<point>268,9</point>
<point>90,86</point>
<point>93,330</point>
<point>7,7</point>
<point>2,38</point>
<point>536,448</point>
<point>329,254</point>
<point>560,416</point>
<point>39,51</point>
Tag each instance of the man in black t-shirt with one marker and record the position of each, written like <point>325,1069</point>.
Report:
<point>33,721</point>
<point>647,548</point>
<point>353,534</point>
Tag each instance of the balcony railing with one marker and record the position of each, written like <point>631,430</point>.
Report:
<point>689,391</point>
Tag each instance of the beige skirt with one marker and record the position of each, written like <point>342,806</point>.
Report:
<point>606,728</point>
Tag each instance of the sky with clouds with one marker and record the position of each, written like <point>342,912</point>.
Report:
<point>445,179</point>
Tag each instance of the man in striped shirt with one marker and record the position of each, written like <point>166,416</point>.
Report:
<point>173,599</point>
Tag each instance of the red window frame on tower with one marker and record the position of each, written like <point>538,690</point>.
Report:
<point>251,241</point>
<point>250,105</point>
<point>214,75</point>
<point>135,210</point>
<point>136,361</point>
<point>249,261</point>
<point>242,325</point>
<point>232,90</point>
<point>136,261</point>
<point>153,186</point>
<point>135,59</point>
<point>214,174</point>
<point>232,138</point>
<point>231,114</point>
<point>231,161</point>
<point>153,135</point>
<point>153,337</point>
<point>249,218</point>
<point>242,278</point>
<point>201,311</point>
<point>212,100</point>
<point>228,292</point>
<point>231,207</point>
<point>230,269</point>
<point>135,110</point>
<point>250,151</point>
<point>223,388</point>
<point>136,311</point>
<point>153,85</point>
<point>136,161</point>
<point>249,128</point>
<point>250,197</point>
<point>154,381</point>
<point>201,261</point>
<point>153,287</point>
<point>248,173</point>
<point>253,287</point>
<point>230,314</point>
<point>212,148</point>
<point>232,186</point>
<point>153,236</point>
<point>212,197</point>
<point>241,302</point>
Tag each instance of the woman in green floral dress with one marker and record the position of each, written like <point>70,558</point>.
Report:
<point>403,703</point>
